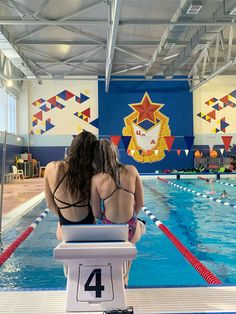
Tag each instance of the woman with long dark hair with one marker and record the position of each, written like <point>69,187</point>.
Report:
<point>116,192</point>
<point>67,183</point>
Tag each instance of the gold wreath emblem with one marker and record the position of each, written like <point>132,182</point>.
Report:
<point>147,110</point>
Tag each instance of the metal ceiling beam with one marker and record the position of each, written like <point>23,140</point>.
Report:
<point>40,8</point>
<point>145,43</point>
<point>68,60</point>
<point>80,61</point>
<point>63,62</point>
<point>103,22</point>
<point>194,41</point>
<point>17,8</point>
<point>40,18</point>
<point>164,37</point>
<point>207,65</point>
<point>111,40</point>
<point>130,69</point>
<point>132,54</point>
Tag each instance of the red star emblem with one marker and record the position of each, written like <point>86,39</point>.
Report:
<point>146,109</point>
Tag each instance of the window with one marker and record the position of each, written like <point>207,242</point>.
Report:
<point>7,112</point>
<point>11,116</point>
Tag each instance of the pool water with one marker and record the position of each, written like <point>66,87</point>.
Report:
<point>205,227</point>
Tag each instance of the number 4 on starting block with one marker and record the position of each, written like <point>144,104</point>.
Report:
<point>95,283</point>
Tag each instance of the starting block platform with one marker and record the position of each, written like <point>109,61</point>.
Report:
<point>94,258</point>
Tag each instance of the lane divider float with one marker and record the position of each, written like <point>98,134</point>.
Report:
<point>218,181</point>
<point>206,274</point>
<point>14,245</point>
<point>218,200</point>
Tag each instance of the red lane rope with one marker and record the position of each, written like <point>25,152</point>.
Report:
<point>161,179</point>
<point>14,245</point>
<point>200,268</point>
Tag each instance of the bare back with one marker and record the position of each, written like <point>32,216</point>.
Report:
<point>57,195</point>
<point>120,202</point>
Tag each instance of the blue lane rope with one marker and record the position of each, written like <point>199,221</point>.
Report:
<point>217,200</point>
<point>225,183</point>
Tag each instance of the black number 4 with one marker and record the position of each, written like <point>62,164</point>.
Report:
<point>98,288</point>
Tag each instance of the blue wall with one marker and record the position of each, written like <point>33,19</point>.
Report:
<point>11,152</point>
<point>45,154</point>
<point>178,107</point>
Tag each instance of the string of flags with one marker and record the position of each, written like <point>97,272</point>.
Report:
<point>116,139</point>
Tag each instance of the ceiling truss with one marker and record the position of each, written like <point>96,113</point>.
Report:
<point>99,55</point>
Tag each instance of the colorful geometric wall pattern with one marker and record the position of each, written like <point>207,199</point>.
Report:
<point>42,122</point>
<point>225,102</point>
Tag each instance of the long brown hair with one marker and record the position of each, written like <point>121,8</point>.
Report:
<point>79,162</point>
<point>106,159</point>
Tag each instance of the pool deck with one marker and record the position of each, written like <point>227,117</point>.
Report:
<point>19,198</point>
<point>145,301</point>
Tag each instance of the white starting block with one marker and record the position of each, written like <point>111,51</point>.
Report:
<point>94,256</point>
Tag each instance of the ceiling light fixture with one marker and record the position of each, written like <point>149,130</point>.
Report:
<point>171,56</point>
<point>194,8</point>
<point>169,45</point>
<point>233,11</point>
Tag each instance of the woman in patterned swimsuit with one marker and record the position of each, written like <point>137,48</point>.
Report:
<point>116,190</point>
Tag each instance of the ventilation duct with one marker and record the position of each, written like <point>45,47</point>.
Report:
<point>15,57</point>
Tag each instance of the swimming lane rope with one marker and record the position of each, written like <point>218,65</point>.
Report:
<point>14,245</point>
<point>218,200</point>
<point>200,268</point>
<point>218,181</point>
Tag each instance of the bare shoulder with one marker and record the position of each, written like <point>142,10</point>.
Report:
<point>132,169</point>
<point>97,177</point>
<point>51,166</point>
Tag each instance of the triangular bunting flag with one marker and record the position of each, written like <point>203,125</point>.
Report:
<point>211,145</point>
<point>227,141</point>
<point>189,141</point>
<point>186,152</point>
<point>115,139</point>
<point>178,152</point>
<point>169,141</point>
<point>222,151</point>
<point>140,151</point>
<point>156,152</point>
<point>132,151</point>
<point>126,141</point>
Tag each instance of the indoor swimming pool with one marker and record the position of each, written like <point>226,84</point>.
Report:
<point>205,227</point>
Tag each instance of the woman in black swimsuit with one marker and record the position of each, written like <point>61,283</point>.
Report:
<point>67,183</point>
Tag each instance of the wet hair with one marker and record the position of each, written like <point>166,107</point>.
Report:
<point>106,159</point>
<point>79,162</point>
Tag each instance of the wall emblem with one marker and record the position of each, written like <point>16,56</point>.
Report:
<point>147,127</point>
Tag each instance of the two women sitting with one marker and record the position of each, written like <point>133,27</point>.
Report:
<point>92,185</point>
